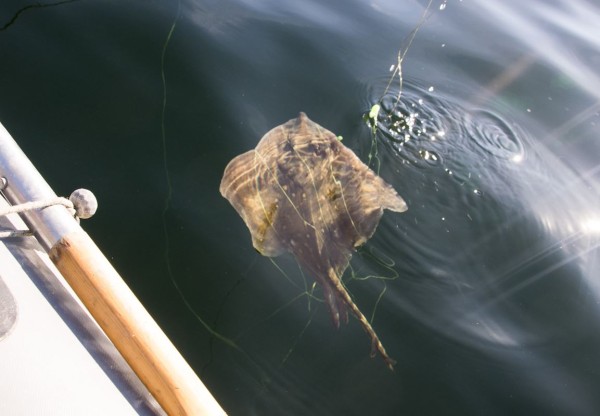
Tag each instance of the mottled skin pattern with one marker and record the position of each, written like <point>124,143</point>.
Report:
<point>302,191</point>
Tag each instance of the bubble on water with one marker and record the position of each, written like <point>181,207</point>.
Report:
<point>428,156</point>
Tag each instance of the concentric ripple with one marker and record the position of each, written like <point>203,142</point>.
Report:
<point>416,125</point>
<point>425,128</point>
<point>494,135</point>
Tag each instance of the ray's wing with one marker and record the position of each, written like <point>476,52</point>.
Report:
<point>248,186</point>
<point>359,197</point>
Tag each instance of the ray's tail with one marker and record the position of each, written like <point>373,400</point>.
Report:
<point>376,345</point>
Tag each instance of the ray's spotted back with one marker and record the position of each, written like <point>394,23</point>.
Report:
<point>302,191</point>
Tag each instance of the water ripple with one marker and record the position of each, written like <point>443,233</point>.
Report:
<point>494,135</point>
<point>472,240</point>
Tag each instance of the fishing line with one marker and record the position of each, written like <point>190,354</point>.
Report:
<point>372,117</point>
<point>30,7</point>
<point>169,196</point>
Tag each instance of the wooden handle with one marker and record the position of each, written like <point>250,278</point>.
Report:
<point>132,330</point>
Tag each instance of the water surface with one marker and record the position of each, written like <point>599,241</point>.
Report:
<point>485,291</point>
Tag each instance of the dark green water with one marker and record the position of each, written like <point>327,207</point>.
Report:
<point>491,302</point>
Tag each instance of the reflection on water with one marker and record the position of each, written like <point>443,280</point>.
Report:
<point>486,290</point>
<point>498,244</point>
<point>488,194</point>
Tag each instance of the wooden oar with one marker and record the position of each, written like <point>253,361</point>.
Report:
<point>135,334</point>
<point>115,308</point>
